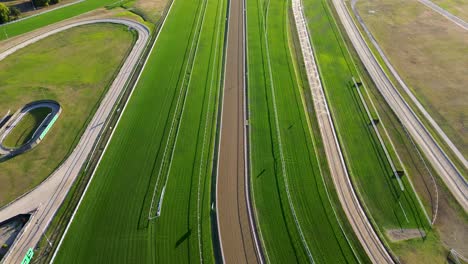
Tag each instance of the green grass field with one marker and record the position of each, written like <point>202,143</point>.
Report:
<point>26,127</point>
<point>32,23</point>
<point>165,138</point>
<point>370,171</point>
<point>280,130</point>
<point>55,68</point>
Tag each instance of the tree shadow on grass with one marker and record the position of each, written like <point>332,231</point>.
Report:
<point>183,238</point>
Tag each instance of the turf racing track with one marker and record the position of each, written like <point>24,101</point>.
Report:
<point>45,199</point>
<point>350,204</point>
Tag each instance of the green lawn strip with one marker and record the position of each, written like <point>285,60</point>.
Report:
<point>281,239</point>
<point>77,84</point>
<point>124,181</point>
<point>26,127</point>
<point>364,156</point>
<point>32,23</point>
<point>189,180</point>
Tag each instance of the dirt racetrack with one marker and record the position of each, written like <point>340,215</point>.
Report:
<point>235,233</point>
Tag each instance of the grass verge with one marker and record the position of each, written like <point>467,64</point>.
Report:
<point>76,84</point>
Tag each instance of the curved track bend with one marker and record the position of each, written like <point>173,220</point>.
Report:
<point>449,173</point>
<point>45,199</point>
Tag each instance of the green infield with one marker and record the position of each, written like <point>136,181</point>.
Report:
<point>74,68</point>
<point>296,215</point>
<point>26,127</point>
<point>149,199</point>
<point>387,205</point>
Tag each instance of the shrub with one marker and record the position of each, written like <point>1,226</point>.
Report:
<point>4,13</point>
<point>14,13</point>
<point>39,3</point>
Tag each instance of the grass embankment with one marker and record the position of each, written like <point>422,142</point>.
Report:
<point>26,127</point>
<point>370,171</point>
<point>79,69</point>
<point>178,89</point>
<point>280,132</point>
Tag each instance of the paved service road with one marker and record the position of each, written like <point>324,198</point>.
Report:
<point>433,152</point>
<point>46,199</point>
<point>236,234</point>
<point>351,206</point>
<point>456,20</point>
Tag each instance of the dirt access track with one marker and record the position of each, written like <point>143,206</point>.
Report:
<point>236,228</point>
<point>45,199</point>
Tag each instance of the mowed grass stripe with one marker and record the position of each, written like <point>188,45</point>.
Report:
<point>112,224</point>
<point>367,164</point>
<point>281,239</point>
<point>180,208</point>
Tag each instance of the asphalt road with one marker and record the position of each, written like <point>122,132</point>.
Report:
<point>351,206</point>
<point>46,198</point>
<point>235,224</point>
<point>453,179</point>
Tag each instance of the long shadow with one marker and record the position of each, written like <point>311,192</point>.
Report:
<point>183,238</point>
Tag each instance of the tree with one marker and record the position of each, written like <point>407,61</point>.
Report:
<point>14,13</point>
<point>4,13</point>
<point>39,3</point>
<point>53,2</point>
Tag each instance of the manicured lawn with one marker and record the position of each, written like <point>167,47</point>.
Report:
<point>74,68</point>
<point>280,132</point>
<point>178,89</point>
<point>26,127</point>
<point>371,174</point>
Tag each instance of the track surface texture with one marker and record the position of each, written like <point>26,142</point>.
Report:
<point>351,206</point>
<point>235,230</point>
<point>45,200</point>
<point>434,153</point>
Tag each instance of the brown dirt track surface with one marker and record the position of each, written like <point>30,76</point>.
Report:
<point>235,234</point>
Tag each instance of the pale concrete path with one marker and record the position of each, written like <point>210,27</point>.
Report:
<point>46,198</point>
<point>456,20</point>
<point>449,173</point>
<point>351,206</point>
